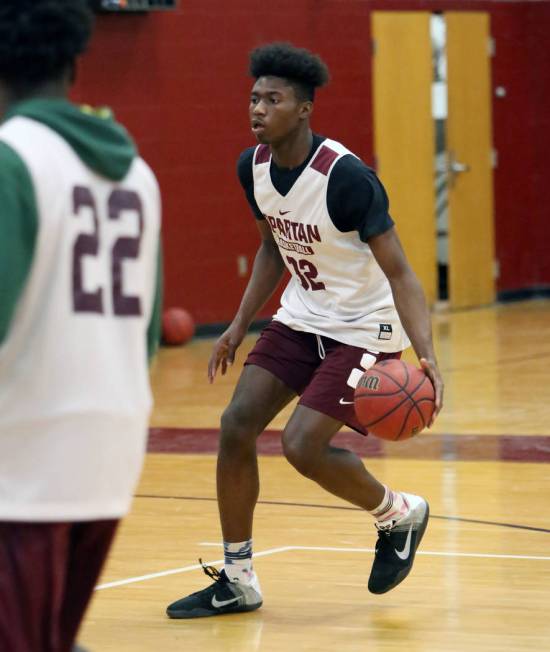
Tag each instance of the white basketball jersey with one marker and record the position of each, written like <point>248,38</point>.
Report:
<point>337,289</point>
<point>74,386</point>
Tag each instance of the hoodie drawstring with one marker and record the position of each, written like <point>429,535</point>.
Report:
<point>320,347</point>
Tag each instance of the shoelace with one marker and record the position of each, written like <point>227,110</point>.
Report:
<point>212,572</point>
<point>383,545</point>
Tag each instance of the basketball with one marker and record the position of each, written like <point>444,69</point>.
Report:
<point>178,326</point>
<point>394,400</point>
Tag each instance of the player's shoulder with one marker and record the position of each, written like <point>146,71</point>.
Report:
<point>351,165</point>
<point>16,141</point>
<point>14,172</point>
<point>141,175</point>
<point>245,158</point>
<point>144,170</point>
<point>10,161</point>
<point>244,166</point>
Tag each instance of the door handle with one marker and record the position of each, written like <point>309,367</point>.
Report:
<point>457,167</point>
<point>454,168</point>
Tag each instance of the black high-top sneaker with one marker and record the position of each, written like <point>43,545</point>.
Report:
<point>221,597</point>
<point>397,544</point>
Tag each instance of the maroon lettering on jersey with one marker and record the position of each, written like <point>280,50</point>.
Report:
<point>272,222</point>
<point>313,233</point>
<point>263,154</point>
<point>324,159</point>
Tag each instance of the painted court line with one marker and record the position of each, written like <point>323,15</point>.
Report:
<point>481,555</point>
<point>183,569</point>
<point>274,551</point>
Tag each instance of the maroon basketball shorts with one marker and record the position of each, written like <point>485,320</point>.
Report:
<point>47,574</point>
<point>322,371</point>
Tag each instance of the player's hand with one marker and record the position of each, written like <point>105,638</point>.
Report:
<point>224,349</point>
<point>430,368</point>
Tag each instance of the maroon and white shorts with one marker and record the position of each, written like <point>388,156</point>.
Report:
<point>322,371</point>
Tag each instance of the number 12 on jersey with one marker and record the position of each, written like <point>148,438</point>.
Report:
<point>306,273</point>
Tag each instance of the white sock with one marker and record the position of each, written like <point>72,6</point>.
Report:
<point>238,561</point>
<point>392,508</point>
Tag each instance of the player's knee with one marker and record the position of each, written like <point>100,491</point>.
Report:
<point>298,453</point>
<point>237,426</point>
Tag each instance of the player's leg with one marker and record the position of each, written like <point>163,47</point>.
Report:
<point>306,445</point>
<point>401,519</point>
<point>258,397</point>
<point>279,367</point>
<point>327,402</point>
<point>33,572</point>
<point>87,549</point>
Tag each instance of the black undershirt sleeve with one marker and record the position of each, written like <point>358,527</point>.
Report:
<point>356,199</point>
<point>244,171</point>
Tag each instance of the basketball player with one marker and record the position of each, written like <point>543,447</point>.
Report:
<point>79,306</point>
<point>352,300</point>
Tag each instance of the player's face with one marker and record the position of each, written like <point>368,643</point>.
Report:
<point>275,112</point>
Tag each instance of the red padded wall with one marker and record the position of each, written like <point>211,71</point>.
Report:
<point>179,82</point>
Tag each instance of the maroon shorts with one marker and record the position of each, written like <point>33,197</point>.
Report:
<point>322,371</point>
<point>47,574</point>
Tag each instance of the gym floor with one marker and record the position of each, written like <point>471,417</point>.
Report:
<point>481,579</point>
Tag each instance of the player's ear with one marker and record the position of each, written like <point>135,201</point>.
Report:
<point>305,110</point>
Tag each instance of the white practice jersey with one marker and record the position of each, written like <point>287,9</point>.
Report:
<point>74,385</point>
<point>337,289</point>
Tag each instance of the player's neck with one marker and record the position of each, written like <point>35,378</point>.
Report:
<point>54,90</point>
<point>294,150</point>
<point>49,91</point>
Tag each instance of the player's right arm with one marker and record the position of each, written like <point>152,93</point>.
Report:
<point>266,275</point>
<point>155,324</point>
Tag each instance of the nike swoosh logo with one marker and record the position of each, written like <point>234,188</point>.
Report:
<point>284,212</point>
<point>404,554</point>
<point>342,402</point>
<point>222,603</point>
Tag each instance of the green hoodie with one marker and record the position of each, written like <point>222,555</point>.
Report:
<point>103,145</point>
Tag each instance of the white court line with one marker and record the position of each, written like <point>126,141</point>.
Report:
<point>183,569</point>
<point>273,551</point>
<point>481,555</point>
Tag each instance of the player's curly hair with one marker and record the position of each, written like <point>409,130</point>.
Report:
<point>303,69</point>
<point>40,39</point>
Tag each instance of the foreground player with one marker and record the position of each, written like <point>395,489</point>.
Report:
<point>79,301</point>
<point>324,215</point>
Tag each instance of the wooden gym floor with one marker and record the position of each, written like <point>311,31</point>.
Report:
<point>481,579</point>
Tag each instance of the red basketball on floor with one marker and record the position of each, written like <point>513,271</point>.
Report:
<point>394,400</point>
<point>178,326</point>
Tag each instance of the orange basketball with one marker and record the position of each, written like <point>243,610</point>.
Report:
<point>394,400</point>
<point>178,326</point>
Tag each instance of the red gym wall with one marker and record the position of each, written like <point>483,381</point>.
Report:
<point>178,81</point>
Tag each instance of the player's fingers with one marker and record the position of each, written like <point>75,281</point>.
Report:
<point>430,371</point>
<point>212,367</point>
<point>231,350</point>
<point>218,354</point>
<point>438,397</point>
<point>438,403</point>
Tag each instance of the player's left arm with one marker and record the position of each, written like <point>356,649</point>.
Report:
<point>18,233</point>
<point>410,303</point>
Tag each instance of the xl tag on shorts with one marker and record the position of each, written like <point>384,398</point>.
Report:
<point>385,332</point>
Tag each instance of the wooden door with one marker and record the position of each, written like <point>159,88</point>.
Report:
<point>470,160</point>
<point>404,133</point>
